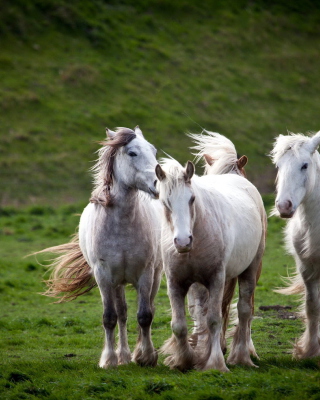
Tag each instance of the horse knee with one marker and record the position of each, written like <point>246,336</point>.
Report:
<point>145,318</point>
<point>179,329</point>
<point>109,319</point>
<point>214,321</point>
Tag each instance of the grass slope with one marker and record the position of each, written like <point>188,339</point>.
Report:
<point>246,70</point>
<point>50,351</point>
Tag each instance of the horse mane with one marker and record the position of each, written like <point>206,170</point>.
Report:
<point>284,143</point>
<point>103,169</point>
<point>217,146</point>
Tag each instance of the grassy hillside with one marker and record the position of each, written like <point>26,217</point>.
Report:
<point>249,70</point>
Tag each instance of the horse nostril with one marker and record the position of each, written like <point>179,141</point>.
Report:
<point>289,204</point>
<point>191,238</point>
<point>175,240</point>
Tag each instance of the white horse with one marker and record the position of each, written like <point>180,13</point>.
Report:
<point>213,232</point>
<point>118,243</point>
<point>298,196</point>
<point>220,157</point>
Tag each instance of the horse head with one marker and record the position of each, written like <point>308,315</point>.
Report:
<point>177,196</point>
<point>130,160</point>
<point>296,158</point>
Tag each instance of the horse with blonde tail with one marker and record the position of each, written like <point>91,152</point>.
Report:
<point>213,231</point>
<point>298,195</point>
<point>118,243</point>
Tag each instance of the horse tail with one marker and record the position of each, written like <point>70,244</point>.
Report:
<point>71,275</point>
<point>295,285</point>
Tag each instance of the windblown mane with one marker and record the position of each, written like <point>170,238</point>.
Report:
<point>220,148</point>
<point>293,141</point>
<point>103,169</point>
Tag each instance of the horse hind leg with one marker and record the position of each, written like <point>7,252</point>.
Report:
<point>198,307</point>
<point>123,350</point>
<point>108,357</point>
<point>144,353</point>
<point>242,346</point>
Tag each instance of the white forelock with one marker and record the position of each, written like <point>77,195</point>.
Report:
<point>282,144</point>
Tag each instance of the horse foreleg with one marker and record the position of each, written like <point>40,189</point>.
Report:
<point>308,344</point>
<point>144,353</point>
<point>123,350</point>
<point>108,357</point>
<point>242,345</point>
<point>181,354</point>
<point>212,354</point>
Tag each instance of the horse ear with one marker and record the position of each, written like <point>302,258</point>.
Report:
<point>138,131</point>
<point>161,175</point>
<point>189,171</point>
<point>209,159</point>
<point>242,162</point>
<point>110,134</point>
<point>314,142</point>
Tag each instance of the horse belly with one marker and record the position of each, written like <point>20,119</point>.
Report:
<point>245,248</point>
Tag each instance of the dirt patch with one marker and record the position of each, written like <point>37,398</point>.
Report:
<point>276,307</point>
<point>283,312</point>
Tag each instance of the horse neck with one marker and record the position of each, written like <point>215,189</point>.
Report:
<point>125,199</point>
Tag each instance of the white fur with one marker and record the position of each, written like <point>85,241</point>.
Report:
<point>227,223</point>
<point>300,187</point>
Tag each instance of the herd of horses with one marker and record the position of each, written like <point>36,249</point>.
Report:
<point>205,232</point>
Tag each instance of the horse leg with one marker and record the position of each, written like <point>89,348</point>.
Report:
<point>242,345</point>
<point>198,307</point>
<point>308,344</point>
<point>123,350</point>
<point>213,356</point>
<point>144,353</point>
<point>108,357</point>
<point>181,354</point>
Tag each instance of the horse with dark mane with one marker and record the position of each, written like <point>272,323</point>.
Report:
<point>118,243</point>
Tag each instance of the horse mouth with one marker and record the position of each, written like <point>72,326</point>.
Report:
<point>184,250</point>
<point>154,193</point>
<point>287,216</point>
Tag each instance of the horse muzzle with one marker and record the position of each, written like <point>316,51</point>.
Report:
<point>285,208</point>
<point>183,246</point>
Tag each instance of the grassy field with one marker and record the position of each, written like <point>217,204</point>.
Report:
<point>51,351</point>
<point>248,70</point>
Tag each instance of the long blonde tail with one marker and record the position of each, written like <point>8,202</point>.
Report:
<point>295,285</point>
<point>71,275</point>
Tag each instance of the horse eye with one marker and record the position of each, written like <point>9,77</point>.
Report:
<point>192,199</point>
<point>304,166</point>
<point>132,154</point>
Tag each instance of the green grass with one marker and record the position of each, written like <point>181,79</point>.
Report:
<point>50,351</point>
<point>246,70</point>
